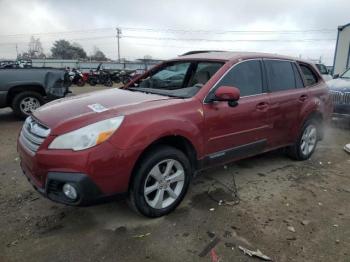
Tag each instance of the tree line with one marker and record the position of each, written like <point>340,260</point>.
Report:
<point>61,49</point>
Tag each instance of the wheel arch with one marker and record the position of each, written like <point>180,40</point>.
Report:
<point>13,91</point>
<point>318,117</point>
<point>177,141</point>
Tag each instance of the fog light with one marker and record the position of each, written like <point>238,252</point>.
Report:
<point>70,191</point>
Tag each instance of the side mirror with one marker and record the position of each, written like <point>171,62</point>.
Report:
<point>336,76</point>
<point>227,93</point>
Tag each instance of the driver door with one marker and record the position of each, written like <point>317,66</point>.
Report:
<point>243,130</point>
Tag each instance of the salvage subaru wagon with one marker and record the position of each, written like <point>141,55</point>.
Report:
<point>146,140</point>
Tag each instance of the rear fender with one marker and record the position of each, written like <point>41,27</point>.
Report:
<point>315,108</point>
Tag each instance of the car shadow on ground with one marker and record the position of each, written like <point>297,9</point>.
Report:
<point>117,214</point>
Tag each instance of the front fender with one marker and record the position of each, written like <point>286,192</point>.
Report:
<point>140,133</point>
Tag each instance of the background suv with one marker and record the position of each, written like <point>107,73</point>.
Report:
<point>340,93</point>
<point>187,114</point>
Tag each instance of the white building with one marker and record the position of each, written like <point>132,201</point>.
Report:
<point>342,50</point>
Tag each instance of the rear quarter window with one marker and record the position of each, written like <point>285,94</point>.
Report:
<point>309,76</point>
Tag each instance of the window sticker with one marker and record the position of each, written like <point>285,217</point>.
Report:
<point>98,108</point>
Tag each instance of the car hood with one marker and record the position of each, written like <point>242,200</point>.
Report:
<point>339,84</point>
<point>74,112</point>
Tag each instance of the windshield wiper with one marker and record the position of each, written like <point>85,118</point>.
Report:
<point>155,91</point>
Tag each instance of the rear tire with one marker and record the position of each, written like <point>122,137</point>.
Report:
<point>24,103</point>
<point>160,182</point>
<point>92,82</point>
<point>307,140</point>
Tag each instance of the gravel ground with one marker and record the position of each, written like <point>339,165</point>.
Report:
<point>291,211</point>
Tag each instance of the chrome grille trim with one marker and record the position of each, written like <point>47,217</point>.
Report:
<point>31,137</point>
<point>340,98</point>
<point>347,98</point>
<point>32,147</point>
<point>33,134</point>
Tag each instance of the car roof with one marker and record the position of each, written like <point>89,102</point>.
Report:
<point>227,56</point>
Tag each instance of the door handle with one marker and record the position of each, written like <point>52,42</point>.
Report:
<point>303,98</point>
<point>262,106</point>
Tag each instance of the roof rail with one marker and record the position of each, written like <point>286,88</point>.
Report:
<point>200,52</point>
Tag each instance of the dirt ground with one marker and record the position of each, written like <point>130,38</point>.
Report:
<point>277,196</point>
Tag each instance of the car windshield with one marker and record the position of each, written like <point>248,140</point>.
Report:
<point>177,79</point>
<point>322,68</point>
<point>346,74</point>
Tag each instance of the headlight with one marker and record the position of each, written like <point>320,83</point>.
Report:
<point>87,136</point>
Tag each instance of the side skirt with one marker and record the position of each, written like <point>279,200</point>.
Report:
<point>231,154</point>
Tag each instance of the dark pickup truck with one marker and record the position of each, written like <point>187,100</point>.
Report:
<point>24,90</point>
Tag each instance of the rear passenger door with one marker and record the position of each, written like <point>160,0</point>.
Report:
<point>287,96</point>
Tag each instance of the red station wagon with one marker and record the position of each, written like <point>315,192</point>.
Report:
<point>147,139</point>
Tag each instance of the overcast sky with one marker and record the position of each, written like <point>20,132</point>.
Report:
<point>206,24</point>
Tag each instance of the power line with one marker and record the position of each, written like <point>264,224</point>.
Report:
<point>228,40</point>
<point>171,30</point>
<point>183,39</point>
<point>323,30</point>
<point>70,39</point>
<point>60,32</point>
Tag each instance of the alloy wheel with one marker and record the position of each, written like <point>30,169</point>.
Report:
<point>308,140</point>
<point>164,183</point>
<point>29,104</point>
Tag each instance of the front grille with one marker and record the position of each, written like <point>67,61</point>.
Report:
<point>347,98</point>
<point>33,134</point>
<point>340,98</point>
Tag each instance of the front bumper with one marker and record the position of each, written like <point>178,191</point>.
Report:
<point>99,173</point>
<point>88,192</point>
<point>341,111</point>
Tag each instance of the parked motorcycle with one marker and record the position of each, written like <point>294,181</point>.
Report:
<point>100,77</point>
<point>125,76</point>
<point>76,77</point>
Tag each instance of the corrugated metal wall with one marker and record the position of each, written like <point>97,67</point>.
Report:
<point>86,66</point>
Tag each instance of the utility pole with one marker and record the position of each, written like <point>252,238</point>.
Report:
<point>17,51</point>
<point>119,32</point>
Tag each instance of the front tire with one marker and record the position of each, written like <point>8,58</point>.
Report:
<point>109,83</point>
<point>305,146</point>
<point>80,82</point>
<point>25,103</point>
<point>161,181</point>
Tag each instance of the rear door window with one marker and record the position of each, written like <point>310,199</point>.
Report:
<point>309,75</point>
<point>280,75</point>
<point>246,76</point>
